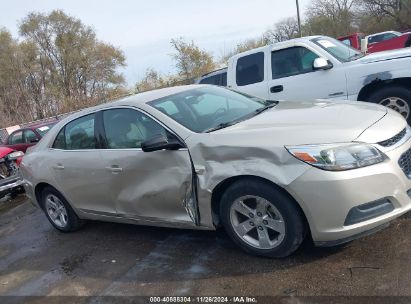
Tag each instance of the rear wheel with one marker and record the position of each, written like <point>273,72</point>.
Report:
<point>262,219</point>
<point>59,212</point>
<point>395,97</point>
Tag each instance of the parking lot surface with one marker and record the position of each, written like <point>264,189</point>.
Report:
<point>117,259</point>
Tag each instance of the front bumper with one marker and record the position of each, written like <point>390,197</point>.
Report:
<point>327,197</point>
<point>10,183</point>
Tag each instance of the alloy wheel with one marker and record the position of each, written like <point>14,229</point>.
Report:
<point>257,222</point>
<point>56,211</point>
<point>397,104</point>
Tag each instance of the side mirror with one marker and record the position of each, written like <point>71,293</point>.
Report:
<point>161,142</point>
<point>322,64</point>
<point>34,140</point>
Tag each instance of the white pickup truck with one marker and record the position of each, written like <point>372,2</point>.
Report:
<point>320,67</point>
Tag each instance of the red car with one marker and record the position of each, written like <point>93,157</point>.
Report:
<point>21,139</point>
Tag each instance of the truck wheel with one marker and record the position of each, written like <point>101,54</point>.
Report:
<point>59,212</point>
<point>261,219</point>
<point>395,97</point>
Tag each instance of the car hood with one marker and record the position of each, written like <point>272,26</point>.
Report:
<point>291,123</point>
<point>386,55</point>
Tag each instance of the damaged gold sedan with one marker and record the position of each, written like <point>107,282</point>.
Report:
<point>202,157</point>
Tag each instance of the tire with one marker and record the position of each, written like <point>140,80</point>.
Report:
<point>67,220</point>
<point>286,217</point>
<point>397,98</point>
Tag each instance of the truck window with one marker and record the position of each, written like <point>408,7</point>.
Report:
<point>292,61</point>
<point>219,79</point>
<point>250,69</point>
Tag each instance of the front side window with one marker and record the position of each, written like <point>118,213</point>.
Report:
<point>127,128</point>
<point>292,61</point>
<point>337,49</point>
<point>77,134</point>
<point>250,69</point>
<point>16,138</point>
<point>205,108</point>
<point>29,136</point>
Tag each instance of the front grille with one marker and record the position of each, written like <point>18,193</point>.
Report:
<point>405,162</point>
<point>393,140</point>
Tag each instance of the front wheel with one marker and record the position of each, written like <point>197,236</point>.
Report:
<point>395,97</point>
<point>262,219</point>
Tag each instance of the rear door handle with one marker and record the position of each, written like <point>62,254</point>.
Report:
<point>58,167</point>
<point>276,89</point>
<point>114,169</point>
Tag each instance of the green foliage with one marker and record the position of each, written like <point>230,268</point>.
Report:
<point>191,61</point>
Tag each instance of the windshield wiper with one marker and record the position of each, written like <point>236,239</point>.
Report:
<point>221,126</point>
<point>260,110</point>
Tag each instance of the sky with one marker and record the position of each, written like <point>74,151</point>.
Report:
<point>143,28</point>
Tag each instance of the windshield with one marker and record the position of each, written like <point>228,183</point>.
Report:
<point>207,108</point>
<point>44,129</point>
<point>337,49</point>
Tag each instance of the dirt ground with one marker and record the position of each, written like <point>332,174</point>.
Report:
<point>116,259</point>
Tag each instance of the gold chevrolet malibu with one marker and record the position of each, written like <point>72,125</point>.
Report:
<point>201,157</point>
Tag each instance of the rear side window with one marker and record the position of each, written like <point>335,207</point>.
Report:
<point>250,69</point>
<point>219,79</point>
<point>77,135</point>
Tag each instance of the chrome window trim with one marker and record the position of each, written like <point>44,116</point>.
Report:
<point>50,146</point>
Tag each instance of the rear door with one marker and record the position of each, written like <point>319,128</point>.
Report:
<point>249,74</point>
<point>153,186</point>
<point>78,169</point>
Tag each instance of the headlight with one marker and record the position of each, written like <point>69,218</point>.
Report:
<point>338,157</point>
<point>15,155</point>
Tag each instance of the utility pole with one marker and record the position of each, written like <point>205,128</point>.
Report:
<point>298,18</point>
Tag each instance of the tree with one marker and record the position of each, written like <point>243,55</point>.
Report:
<point>151,80</point>
<point>330,17</point>
<point>191,61</point>
<point>393,14</point>
<point>284,30</point>
<point>244,46</point>
<point>68,68</point>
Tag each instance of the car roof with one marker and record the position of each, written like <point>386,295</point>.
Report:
<point>286,42</point>
<point>135,99</point>
<point>42,124</point>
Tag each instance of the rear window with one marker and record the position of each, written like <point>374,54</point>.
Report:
<point>250,69</point>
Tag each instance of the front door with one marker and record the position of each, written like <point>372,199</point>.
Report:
<point>154,186</point>
<point>293,77</point>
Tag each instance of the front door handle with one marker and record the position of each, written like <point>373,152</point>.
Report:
<point>114,169</point>
<point>276,89</point>
<point>58,167</point>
